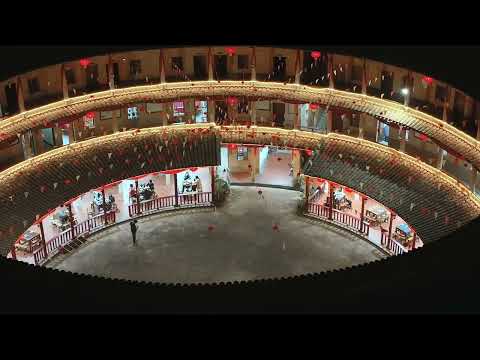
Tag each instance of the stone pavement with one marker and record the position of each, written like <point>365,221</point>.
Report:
<point>248,238</point>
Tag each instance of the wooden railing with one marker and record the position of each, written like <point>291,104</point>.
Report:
<point>86,227</point>
<point>346,219</point>
<point>394,247</point>
<point>158,204</point>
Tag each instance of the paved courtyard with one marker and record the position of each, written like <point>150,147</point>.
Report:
<point>238,241</point>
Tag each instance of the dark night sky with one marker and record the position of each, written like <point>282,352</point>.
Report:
<point>457,65</point>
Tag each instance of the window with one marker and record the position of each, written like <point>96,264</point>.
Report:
<point>132,113</point>
<point>33,86</point>
<point>242,153</point>
<point>135,67</point>
<point>242,62</point>
<point>357,71</point>
<point>178,108</point>
<point>70,75</point>
<point>177,63</point>
<point>441,93</point>
<point>242,106</point>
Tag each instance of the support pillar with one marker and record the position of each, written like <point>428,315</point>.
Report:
<point>297,68</point>
<point>38,141</point>
<point>389,243</point>
<point>403,140</point>
<point>20,98</point>
<point>210,64</point>
<point>408,85</point>
<point>42,238</point>
<point>362,212</point>
<point>330,210</point>
<point>361,125</point>
<point>473,178</point>
<point>212,174</point>
<point>440,150</point>
<point>14,252</point>
<point>104,207</point>
<point>163,114</point>
<point>254,64</point>
<point>176,189</point>
<point>331,82</point>
<point>211,111</point>
<point>329,121</point>
<point>307,191</point>
<point>26,140</point>
<point>111,74</point>
<point>296,122</point>
<point>63,76</point>
<point>364,77</point>
<point>414,240</point>
<point>253,112</point>
<point>70,219</point>
<point>162,67</point>
<point>137,196</point>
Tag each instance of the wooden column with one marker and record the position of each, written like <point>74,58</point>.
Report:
<point>20,97</point>
<point>70,218</point>
<point>297,68</point>
<point>440,150</point>
<point>212,174</point>
<point>331,82</point>
<point>364,77</point>
<point>364,200</point>
<point>176,189</point>
<point>64,82</point>
<point>162,67</point>
<point>210,64</point>
<point>253,112</point>
<point>307,186</point>
<point>104,207</point>
<point>42,238</point>
<point>137,196</point>
<point>111,74</point>
<point>403,140</point>
<point>389,243</point>
<point>14,253</point>
<point>330,210</point>
<point>254,64</point>
<point>414,240</point>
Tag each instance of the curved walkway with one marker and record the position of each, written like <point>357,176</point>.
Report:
<point>243,244</point>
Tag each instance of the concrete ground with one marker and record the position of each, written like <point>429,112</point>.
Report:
<point>242,243</point>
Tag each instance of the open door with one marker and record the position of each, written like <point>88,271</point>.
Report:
<point>387,84</point>
<point>92,77</point>
<point>279,114</point>
<point>12,100</point>
<point>200,67</point>
<point>279,68</point>
<point>220,66</point>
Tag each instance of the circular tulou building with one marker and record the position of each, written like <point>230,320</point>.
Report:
<point>231,167</point>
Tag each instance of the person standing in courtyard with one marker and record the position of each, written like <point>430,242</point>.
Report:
<point>133,229</point>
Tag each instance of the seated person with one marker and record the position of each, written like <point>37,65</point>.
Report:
<point>187,184</point>
<point>151,185</point>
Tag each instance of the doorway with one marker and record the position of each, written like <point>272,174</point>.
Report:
<point>278,113</point>
<point>220,66</point>
<point>116,73</point>
<point>12,100</point>
<point>387,84</point>
<point>279,68</point>
<point>221,112</point>
<point>92,77</point>
<point>200,67</point>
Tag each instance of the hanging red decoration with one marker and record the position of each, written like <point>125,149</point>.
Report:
<point>309,152</point>
<point>422,137</point>
<point>211,227</point>
<point>427,80</point>
<point>85,62</point>
<point>90,115</point>
<point>230,51</point>
<point>232,100</point>
<point>275,227</point>
<point>314,106</point>
<point>316,55</point>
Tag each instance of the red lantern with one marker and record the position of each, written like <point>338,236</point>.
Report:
<point>427,80</point>
<point>314,106</point>
<point>232,100</point>
<point>309,152</point>
<point>315,55</point>
<point>85,62</point>
<point>230,51</point>
<point>423,137</point>
<point>90,115</point>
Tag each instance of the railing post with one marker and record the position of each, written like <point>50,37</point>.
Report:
<point>176,189</point>
<point>307,185</point>
<point>330,212</point>
<point>104,206</point>
<point>212,173</point>
<point>70,218</point>
<point>42,238</point>
<point>389,243</point>
<point>364,199</point>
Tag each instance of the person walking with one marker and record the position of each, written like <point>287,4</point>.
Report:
<point>133,229</point>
